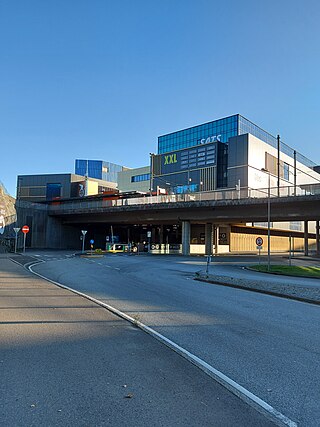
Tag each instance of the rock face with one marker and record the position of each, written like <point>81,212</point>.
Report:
<point>7,217</point>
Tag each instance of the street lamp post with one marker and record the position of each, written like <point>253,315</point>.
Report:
<point>16,230</point>
<point>269,212</point>
<point>84,232</point>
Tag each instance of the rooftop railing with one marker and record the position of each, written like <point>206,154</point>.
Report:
<point>218,195</point>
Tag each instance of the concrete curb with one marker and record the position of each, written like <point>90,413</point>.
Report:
<point>258,290</point>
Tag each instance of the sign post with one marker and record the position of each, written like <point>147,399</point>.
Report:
<point>25,229</point>
<point>91,245</point>
<point>259,243</point>
<point>16,230</point>
<point>84,232</point>
<point>208,263</point>
<point>149,240</point>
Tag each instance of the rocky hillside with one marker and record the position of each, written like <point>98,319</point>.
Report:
<point>7,214</point>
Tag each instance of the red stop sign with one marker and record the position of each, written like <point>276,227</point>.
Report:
<point>25,229</point>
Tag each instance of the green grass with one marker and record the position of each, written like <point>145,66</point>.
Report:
<point>289,270</point>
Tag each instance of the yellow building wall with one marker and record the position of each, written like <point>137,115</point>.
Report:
<point>243,242</point>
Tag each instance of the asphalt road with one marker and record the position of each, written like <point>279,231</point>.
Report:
<point>269,345</point>
<point>66,361</point>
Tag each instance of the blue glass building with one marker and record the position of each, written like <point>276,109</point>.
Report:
<point>199,159</point>
<point>218,130</point>
<point>98,169</point>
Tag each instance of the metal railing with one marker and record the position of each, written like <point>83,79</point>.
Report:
<point>217,195</point>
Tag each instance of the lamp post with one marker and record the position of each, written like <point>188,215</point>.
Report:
<point>151,172</point>
<point>84,232</point>
<point>269,211</point>
<point>16,230</point>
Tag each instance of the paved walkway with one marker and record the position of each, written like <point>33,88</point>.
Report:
<point>65,361</point>
<point>303,289</point>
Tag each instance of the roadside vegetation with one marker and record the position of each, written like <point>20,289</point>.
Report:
<point>289,270</point>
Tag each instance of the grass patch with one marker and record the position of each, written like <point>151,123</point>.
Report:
<point>289,270</point>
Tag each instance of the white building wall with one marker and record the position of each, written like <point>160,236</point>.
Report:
<point>125,180</point>
<point>259,179</point>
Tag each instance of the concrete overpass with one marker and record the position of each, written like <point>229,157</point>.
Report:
<point>208,209</point>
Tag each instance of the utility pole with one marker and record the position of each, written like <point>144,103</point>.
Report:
<point>278,164</point>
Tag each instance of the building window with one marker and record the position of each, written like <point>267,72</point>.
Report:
<point>286,171</point>
<point>53,191</point>
<point>139,178</point>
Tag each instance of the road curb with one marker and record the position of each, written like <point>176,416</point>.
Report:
<point>261,291</point>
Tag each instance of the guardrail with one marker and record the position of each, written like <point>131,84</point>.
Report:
<point>218,195</point>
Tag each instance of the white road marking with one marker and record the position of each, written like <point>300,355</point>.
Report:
<point>235,388</point>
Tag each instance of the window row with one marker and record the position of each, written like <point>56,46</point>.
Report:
<point>139,178</point>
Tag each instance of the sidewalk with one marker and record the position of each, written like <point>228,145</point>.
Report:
<point>66,361</point>
<point>284,287</point>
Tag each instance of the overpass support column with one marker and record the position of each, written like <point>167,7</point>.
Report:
<point>186,237</point>
<point>161,234</point>
<point>306,249</point>
<point>317,238</point>
<point>208,239</point>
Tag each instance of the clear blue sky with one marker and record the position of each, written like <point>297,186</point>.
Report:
<point>103,79</point>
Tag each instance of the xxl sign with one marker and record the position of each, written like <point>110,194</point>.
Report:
<point>170,158</point>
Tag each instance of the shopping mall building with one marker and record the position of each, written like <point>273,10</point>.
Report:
<point>229,154</point>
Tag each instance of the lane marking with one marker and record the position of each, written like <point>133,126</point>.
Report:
<point>245,395</point>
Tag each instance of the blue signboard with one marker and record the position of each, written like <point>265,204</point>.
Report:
<point>201,156</point>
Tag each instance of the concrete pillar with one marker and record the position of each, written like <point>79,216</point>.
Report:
<point>153,235</point>
<point>208,239</point>
<point>317,238</point>
<point>306,249</point>
<point>161,234</point>
<point>186,237</point>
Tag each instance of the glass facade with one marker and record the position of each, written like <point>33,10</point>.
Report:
<point>98,169</point>
<point>221,130</point>
<point>218,130</point>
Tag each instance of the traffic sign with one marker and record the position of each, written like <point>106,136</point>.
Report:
<point>259,241</point>
<point>91,241</point>
<point>25,229</point>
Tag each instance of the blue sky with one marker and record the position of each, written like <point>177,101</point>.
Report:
<point>103,79</point>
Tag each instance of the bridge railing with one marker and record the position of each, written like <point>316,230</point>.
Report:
<point>217,195</point>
